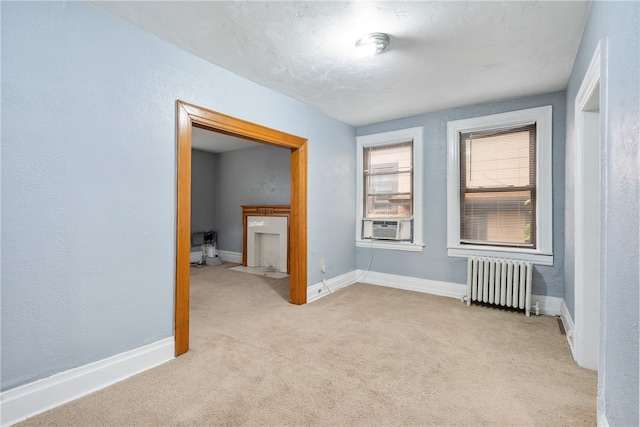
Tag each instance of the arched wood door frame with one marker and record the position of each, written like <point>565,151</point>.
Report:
<point>189,115</point>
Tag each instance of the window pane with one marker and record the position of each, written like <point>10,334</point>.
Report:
<point>498,161</point>
<point>388,158</point>
<point>498,218</point>
<point>388,179</point>
<point>497,187</point>
<point>391,205</point>
<point>389,183</point>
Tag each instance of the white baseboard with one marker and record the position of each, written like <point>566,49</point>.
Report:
<point>569,326</point>
<point>195,256</point>
<point>602,416</point>
<point>319,290</point>
<point>229,256</point>
<point>603,421</point>
<point>547,305</point>
<point>25,401</point>
<point>435,287</point>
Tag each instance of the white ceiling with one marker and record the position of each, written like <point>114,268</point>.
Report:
<point>443,54</point>
<point>215,142</point>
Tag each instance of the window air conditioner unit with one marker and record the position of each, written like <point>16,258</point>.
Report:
<point>386,230</point>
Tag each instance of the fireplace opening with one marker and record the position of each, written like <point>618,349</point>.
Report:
<point>267,242</point>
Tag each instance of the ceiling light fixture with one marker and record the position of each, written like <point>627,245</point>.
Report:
<point>372,44</point>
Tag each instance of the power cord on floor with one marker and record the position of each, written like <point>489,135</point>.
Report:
<point>364,273</point>
<point>325,283</point>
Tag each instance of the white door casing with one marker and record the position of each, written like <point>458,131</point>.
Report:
<point>588,196</point>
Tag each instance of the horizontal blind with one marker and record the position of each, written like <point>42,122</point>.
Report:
<point>388,180</point>
<point>497,187</point>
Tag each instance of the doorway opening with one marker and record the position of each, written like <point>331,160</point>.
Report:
<point>189,115</point>
<point>588,198</point>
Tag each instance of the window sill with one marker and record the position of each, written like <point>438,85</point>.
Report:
<point>519,254</point>
<point>392,245</point>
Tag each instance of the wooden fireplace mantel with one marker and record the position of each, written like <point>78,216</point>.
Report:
<point>264,210</point>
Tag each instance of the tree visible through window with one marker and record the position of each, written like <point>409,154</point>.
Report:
<point>498,187</point>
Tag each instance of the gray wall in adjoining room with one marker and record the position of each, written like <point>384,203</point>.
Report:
<point>434,263</point>
<point>615,25</point>
<point>252,176</point>
<point>203,191</point>
<point>97,204</point>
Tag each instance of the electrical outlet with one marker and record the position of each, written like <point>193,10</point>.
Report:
<point>323,267</point>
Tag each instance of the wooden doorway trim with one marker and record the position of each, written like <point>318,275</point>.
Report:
<point>189,115</point>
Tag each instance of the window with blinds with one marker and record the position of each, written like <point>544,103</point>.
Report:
<point>388,180</point>
<point>498,187</point>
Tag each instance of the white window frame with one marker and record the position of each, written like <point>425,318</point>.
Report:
<point>387,138</point>
<point>542,116</point>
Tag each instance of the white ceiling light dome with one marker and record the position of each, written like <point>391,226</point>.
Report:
<point>372,44</point>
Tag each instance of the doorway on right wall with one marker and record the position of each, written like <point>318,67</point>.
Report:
<point>588,236</point>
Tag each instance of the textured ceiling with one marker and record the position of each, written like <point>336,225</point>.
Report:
<point>442,54</point>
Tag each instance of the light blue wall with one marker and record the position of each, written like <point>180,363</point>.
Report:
<point>617,26</point>
<point>252,176</point>
<point>88,182</point>
<point>434,263</point>
<point>328,182</point>
<point>203,191</point>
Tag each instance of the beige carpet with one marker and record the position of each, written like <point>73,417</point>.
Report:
<point>366,355</point>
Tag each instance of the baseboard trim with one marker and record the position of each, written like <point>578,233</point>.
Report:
<point>25,401</point>
<point>435,287</point>
<point>603,421</point>
<point>319,290</point>
<point>230,256</point>
<point>195,256</point>
<point>602,417</point>
<point>548,305</point>
<point>569,327</point>
<point>227,256</point>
